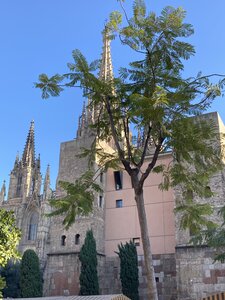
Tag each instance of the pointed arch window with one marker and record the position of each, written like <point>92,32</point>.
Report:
<point>33,225</point>
<point>63,240</point>
<point>77,239</point>
<point>19,186</point>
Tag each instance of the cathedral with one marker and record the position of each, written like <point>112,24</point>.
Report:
<point>181,271</point>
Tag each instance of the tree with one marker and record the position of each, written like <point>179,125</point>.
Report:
<point>88,258</point>
<point>129,270</point>
<point>9,239</point>
<point>152,96</point>
<point>30,275</point>
<point>11,273</point>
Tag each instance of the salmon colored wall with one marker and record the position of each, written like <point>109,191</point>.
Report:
<point>121,224</point>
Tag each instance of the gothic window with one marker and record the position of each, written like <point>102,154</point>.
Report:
<point>33,224</point>
<point>77,239</point>
<point>32,188</point>
<point>19,186</point>
<point>118,177</point>
<point>63,240</point>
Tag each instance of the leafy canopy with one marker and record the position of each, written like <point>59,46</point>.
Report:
<point>78,201</point>
<point>9,237</point>
<point>153,97</point>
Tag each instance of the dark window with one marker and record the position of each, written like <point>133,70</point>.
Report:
<point>156,279</point>
<point>100,201</point>
<point>118,177</point>
<point>77,239</point>
<point>136,241</point>
<point>119,203</point>
<point>101,177</point>
<point>33,224</point>
<point>63,240</point>
<point>208,192</point>
<point>19,186</point>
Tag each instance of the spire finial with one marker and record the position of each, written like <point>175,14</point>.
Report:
<point>3,192</point>
<point>47,192</point>
<point>29,150</point>
<point>106,69</point>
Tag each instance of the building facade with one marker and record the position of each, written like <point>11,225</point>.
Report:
<point>182,272</point>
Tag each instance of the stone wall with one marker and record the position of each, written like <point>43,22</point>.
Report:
<point>197,275</point>
<point>165,273</point>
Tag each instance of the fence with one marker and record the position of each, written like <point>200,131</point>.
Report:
<point>218,296</point>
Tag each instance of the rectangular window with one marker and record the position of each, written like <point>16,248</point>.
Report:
<point>100,201</point>
<point>136,241</point>
<point>118,177</point>
<point>119,203</point>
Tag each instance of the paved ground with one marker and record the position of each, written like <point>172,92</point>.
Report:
<point>102,297</point>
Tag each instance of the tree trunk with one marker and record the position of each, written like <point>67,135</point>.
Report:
<point>151,283</point>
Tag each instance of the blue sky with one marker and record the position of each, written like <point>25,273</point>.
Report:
<point>39,36</point>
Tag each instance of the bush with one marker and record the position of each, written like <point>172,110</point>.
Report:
<point>88,258</point>
<point>11,274</point>
<point>129,270</point>
<point>30,275</point>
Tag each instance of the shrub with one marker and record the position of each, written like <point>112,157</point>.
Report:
<point>129,270</point>
<point>30,275</point>
<point>88,258</point>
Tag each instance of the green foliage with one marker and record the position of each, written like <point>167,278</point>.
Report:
<point>9,237</point>
<point>11,273</point>
<point>30,275</point>
<point>129,270</point>
<point>88,258</point>
<point>153,97</point>
<point>78,201</point>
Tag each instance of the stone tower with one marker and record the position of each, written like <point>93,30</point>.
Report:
<point>62,275</point>
<point>24,198</point>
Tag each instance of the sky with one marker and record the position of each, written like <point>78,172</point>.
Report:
<point>39,36</point>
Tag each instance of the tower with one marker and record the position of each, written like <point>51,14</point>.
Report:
<point>64,244</point>
<point>25,177</point>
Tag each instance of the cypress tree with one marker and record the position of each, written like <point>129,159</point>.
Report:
<point>30,275</point>
<point>129,270</point>
<point>88,258</point>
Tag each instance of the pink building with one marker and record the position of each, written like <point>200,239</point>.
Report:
<point>121,219</point>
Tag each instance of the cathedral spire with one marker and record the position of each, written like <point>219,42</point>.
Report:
<point>29,150</point>
<point>106,69</point>
<point>47,192</point>
<point>3,192</point>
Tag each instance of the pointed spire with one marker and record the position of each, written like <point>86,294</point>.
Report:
<point>83,116</point>
<point>106,69</point>
<point>47,192</point>
<point>82,121</point>
<point>3,192</point>
<point>16,163</point>
<point>29,150</point>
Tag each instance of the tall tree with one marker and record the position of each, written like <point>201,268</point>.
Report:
<point>30,275</point>
<point>129,270</point>
<point>153,97</point>
<point>9,239</point>
<point>88,258</point>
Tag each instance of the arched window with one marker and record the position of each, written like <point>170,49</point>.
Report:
<point>33,224</point>
<point>63,240</point>
<point>19,186</point>
<point>77,239</point>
